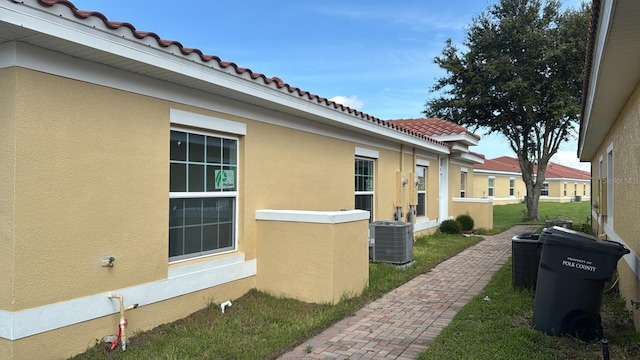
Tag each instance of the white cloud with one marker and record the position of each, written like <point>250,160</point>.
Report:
<point>352,102</point>
<point>569,158</point>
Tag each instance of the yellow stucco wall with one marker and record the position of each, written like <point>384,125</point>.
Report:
<point>626,189</point>
<point>432,190</point>
<point>313,262</point>
<point>481,212</point>
<point>7,156</point>
<point>83,191</point>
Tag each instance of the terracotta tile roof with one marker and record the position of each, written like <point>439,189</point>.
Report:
<point>554,171</point>
<point>432,127</point>
<point>240,71</point>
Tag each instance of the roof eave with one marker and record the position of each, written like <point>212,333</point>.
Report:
<point>56,28</point>
<point>613,74</point>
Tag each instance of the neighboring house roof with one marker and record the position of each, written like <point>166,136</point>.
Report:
<point>509,164</point>
<point>154,41</point>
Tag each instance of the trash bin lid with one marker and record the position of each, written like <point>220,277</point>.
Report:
<point>566,237</point>
<point>526,238</point>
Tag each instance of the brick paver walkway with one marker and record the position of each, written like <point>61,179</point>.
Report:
<point>403,322</point>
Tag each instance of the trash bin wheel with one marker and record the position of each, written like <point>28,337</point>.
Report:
<point>583,326</point>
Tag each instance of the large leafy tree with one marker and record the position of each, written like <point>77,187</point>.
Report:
<point>519,74</point>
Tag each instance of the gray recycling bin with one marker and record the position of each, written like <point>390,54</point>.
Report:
<point>525,258</point>
<point>574,268</point>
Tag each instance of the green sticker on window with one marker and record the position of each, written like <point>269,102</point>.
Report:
<point>225,179</point>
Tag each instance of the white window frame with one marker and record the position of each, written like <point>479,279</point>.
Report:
<point>544,188</point>
<point>491,184</point>
<point>210,126</point>
<point>367,192</point>
<point>564,189</point>
<point>423,191</point>
<point>512,185</point>
<point>463,182</point>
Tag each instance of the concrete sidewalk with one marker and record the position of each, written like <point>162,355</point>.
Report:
<point>403,322</point>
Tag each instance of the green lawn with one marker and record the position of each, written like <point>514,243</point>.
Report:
<point>505,216</point>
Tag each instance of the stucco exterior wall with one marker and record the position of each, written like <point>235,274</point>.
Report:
<point>480,211</point>
<point>622,224</point>
<point>7,183</point>
<point>313,262</point>
<point>432,190</point>
<point>83,190</point>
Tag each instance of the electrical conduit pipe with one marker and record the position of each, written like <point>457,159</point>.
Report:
<point>123,322</point>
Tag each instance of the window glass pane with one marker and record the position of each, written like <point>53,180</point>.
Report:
<point>178,148</point>
<point>214,150</point>
<point>365,202</point>
<point>209,211</point>
<point>225,235</point>
<point>420,209</point>
<point>192,211</point>
<point>175,242</point>
<point>196,178</point>
<point>178,177</point>
<point>192,239</point>
<point>196,148</point>
<point>210,237</point>
<point>225,209</point>
<point>176,212</point>
<point>229,151</point>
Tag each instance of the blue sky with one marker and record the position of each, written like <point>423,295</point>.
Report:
<point>372,55</point>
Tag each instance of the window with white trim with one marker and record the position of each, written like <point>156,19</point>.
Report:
<point>491,186</point>
<point>463,184</point>
<point>575,189</point>
<point>364,185</point>
<point>512,184</point>
<point>421,173</point>
<point>584,189</point>
<point>544,191</point>
<point>203,194</point>
<point>564,191</point>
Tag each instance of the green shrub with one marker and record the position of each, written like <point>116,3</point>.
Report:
<point>450,227</point>
<point>466,221</point>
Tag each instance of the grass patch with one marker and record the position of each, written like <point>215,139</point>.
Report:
<point>500,328</point>
<point>261,326</point>
<point>505,216</point>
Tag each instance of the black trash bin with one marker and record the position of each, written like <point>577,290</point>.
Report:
<point>574,268</point>
<point>525,257</point>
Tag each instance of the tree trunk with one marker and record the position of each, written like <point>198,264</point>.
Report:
<point>533,198</point>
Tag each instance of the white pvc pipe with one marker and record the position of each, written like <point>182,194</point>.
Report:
<point>224,305</point>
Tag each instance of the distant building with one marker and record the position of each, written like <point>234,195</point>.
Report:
<point>501,179</point>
